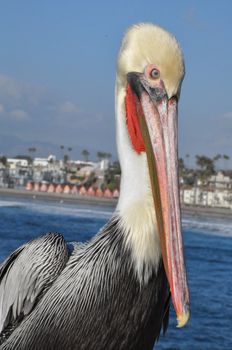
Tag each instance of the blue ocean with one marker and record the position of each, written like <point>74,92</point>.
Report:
<point>208,250</point>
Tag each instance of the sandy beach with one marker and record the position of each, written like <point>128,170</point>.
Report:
<point>196,211</point>
<point>57,197</point>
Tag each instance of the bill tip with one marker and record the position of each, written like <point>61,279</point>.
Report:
<point>182,319</point>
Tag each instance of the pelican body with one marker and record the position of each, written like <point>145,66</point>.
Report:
<point>114,291</point>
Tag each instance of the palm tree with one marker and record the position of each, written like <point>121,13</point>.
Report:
<point>70,150</point>
<point>187,160</point>
<point>100,155</point>
<point>66,159</point>
<point>108,155</point>
<point>206,166</point>
<point>31,150</point>
<point>85,154</point>
<point>217,158</point>
<point>103,155</point>
<point>226,158</point>
<point>181,166</point>
<point>62,151</point>
<point>3,160</point>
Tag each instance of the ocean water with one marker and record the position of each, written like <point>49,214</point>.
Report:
<point>208,250</point>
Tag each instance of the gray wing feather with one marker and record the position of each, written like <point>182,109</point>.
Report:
<point>27,274</point>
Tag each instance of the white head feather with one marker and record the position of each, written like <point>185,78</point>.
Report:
<point>146,43</point>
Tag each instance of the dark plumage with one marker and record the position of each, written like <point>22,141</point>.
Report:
<point>96,302</point>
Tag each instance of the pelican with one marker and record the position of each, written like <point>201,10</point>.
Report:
<point>114,291</point>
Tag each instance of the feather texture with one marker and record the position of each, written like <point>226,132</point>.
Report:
<point>26,276</point>
<point>97,302</point>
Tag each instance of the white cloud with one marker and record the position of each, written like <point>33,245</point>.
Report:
<point>227,115</point>
<point>16,94</point>
<point>68,107</point>
<point>22,100</point>
<point>19,114</point>
<point>35,112</point>
<point>10,87</point>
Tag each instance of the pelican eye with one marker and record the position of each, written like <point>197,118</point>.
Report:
<point>154,74</point>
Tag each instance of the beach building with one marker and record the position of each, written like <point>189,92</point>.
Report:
<point>17,172</point>
<point>51,188</point>
<point>74,190</point>
<point>116,193</point>
<point>86,170</point>
<point>13,163</point>
<point>220,180</point>
<point>206,197</point>
<point>82,191</point>
<point>91,192</point>
<point>108,193</point>
<point>99,193</point>
<point>45,162</point>
<point>44,187</point>
<point>36,186</point>
<point>59,188</point>
<point>29,186</point>
<point>67,189</point>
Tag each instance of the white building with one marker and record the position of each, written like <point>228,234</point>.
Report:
<point>14,162</point>
<point>220,180</point>
<point>206,197</point>
<point>44,162</point>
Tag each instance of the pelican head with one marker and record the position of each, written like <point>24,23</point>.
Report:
<point>149,76</point>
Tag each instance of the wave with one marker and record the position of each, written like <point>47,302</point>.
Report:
<point>72,211</point>
<point>60,208</point>
<point>215,226</point>
<point>15,204</point>
<point>83,211</point>
<point>207,226</point>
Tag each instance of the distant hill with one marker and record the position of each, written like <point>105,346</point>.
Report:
<point>11,146</point>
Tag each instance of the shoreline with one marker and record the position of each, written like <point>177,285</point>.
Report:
<point>187,210</point>
<point>57,197</point>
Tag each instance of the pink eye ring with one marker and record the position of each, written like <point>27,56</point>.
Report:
<point>154,74</point>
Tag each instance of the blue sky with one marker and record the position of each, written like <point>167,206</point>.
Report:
<point>57,70</point>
